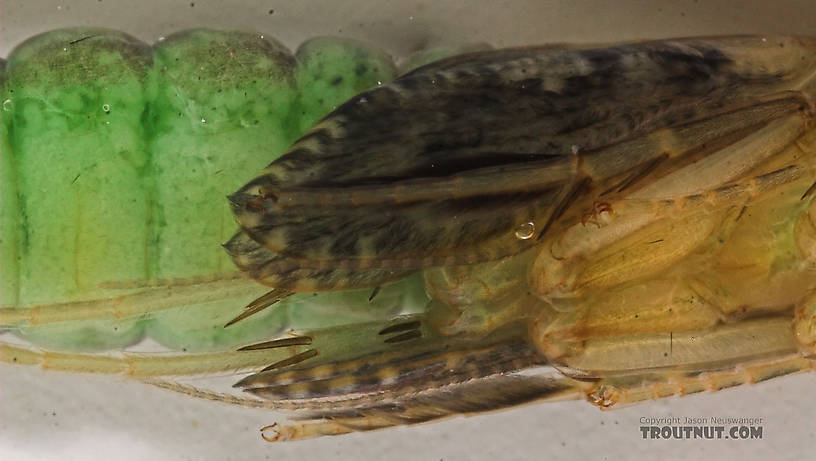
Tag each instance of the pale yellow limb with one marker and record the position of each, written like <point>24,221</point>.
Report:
<point>696,349</point>
<point>175,293</point>
<point>138,365</point>
<point>616,392</point>
<point>729,163</point>
<point>648,236</point>
<point>774,154</point>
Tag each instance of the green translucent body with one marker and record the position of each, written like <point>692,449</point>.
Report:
<point>116,159</point>
<point>69,241</point>
<point>9,210</point>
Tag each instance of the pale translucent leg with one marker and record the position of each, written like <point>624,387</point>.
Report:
<point>137,365</point>
<point>720,316</point>
<point>643,237</point>
<point>564,269</point>
<point>615,392</point>
<point>136,300</point>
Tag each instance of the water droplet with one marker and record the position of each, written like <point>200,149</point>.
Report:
<point>525,231</point>
<point>8,105</point>
<point>106,108</point>
<point>379,82</point>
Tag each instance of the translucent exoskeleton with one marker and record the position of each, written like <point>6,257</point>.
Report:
<point>638,218</point>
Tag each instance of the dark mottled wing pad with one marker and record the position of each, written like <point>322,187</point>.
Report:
<point>286,274</point>
<point>463,125</point>
<point>401,371</point>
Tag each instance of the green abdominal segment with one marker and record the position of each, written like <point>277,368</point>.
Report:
<point>78,155</point>
<point>116,160</point>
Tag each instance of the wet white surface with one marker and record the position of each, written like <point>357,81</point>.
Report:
<point>58,416</point>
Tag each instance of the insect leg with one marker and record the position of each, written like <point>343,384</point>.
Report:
<point>662,351</point>
<point>625,247</point>
<point>615,392</point>
<point>134,301</point>
<point>139,365</point>
<point>335,342</point>
<point>741,139</point>
<point>486,394</point>
<point>805,315</point>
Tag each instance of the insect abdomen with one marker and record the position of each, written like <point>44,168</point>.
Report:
<point>117,158</point>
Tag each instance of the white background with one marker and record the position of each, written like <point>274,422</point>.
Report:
<point>49,415</point>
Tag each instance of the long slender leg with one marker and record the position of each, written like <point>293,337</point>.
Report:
<point>614,392</point>
<point>645,238</point>
<point>140,365</point>
<point>486,394</point>
<point>135,300</point>
<point>557,272</point>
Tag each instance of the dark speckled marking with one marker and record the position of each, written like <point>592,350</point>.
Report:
<point>398,372</point>
<point>494,109</point>
<point>360,69</point>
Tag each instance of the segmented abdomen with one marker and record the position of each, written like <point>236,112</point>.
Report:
<point>117,157</point>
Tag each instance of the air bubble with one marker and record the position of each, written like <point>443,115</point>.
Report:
<point>106,108</point>
<point>203,120</point>
<point>525,231</point>
<point>8,105</point>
